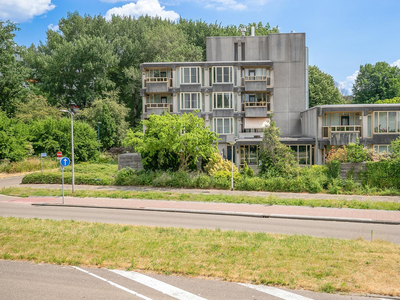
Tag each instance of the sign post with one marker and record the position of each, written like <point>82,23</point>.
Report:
<point>64,161</point>
<point>41,160</point>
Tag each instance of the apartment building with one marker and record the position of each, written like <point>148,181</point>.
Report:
<point>243,80</point>
<point>247,79</point>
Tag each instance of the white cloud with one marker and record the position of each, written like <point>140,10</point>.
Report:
<point>396,63</point>
<point>53,27</point>
<point>346,86</point>
<point>142,7</point>
<point>24,10</point>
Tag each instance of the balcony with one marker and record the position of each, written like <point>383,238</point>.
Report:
<point>256,109</point>
<point>158,108</point>
<point>256,83</point>
<point>342,135</point>
<point>157,84</point>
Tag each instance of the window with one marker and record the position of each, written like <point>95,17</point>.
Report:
<point>248,155</point>
<point>243,52</point>
<point>190,75</point>
<point>161,73</point>
<point>303,154</point>
<point>157,98</point>
<point>222,75</point>
<point>381,148</point>
<point>236,52</point>
<point>190,101</point>
<point>223,125</point>
<point>222,100</point>
<point>386,122</point>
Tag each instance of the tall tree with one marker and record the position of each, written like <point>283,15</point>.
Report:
<point>184,136</point>
<point>13,71</point>
<point>376,82</point>
<point>322,88</point>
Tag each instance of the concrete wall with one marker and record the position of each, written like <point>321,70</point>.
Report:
<point>309,122</point>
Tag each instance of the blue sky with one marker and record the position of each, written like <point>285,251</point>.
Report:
<point>341,35</point>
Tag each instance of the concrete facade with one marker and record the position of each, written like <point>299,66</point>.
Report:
<point>248,79</point>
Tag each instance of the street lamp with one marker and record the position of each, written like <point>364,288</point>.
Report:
<point>98,136</point>
<point>232,144</point>
<point>73,108</point>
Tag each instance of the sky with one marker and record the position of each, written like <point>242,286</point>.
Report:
<point>341,35</point>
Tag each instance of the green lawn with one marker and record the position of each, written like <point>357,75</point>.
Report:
<point>317,264</point>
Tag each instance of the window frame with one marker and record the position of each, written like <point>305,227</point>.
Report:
<point>190,75</point>
<point>223,124</point>
<point>224,73</point>
<point>182,100</point>
<point>215,100</point>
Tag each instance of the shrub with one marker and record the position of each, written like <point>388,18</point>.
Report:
<point>216,163</point>
<point>333,168</point>
<point>247,171</point>
<point>125,177</point>
<point>275,158</point>
<point>356,153</point>
<point>338,154</point>
<point>382,174</point>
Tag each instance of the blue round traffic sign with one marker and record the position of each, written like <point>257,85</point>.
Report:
<point>64,161</point>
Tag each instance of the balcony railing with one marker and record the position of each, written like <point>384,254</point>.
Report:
<point>327,130</point>
<point>166,106</point>
<point>256,104</point>
<point>252,130</point>
<point>158,80</point>
<point>256,78</point>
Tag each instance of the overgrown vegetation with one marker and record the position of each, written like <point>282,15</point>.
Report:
<point>281,260</point>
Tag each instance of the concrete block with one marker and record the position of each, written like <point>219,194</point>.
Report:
<point>157,87</point>
<point>297,47</point>
<point>282,121</point>
<point>255,112</point>
<point>131,160</point>
<point>294,124</point>
<point>278,47</point>
<point>194,88</point>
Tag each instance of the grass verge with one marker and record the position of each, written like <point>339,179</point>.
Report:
<point>85,173</point>
<point>218,198</point>
<point>317,264</point>
<point>28,165</point>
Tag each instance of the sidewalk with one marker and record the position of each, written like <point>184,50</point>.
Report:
<point>245,210</point>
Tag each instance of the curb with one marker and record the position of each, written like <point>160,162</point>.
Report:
<point>229,213</point>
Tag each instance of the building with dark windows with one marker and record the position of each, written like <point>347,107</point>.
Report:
<point>247,78</point>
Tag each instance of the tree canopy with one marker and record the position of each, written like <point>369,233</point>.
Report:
<point>322,89</point>
<point>376,82</point>
<point>13,71</point>
<point>183,136</point>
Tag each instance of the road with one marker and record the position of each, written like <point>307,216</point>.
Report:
<point>341,230</point>
<point>24,280</point>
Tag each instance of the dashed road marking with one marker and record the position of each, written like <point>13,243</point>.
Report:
<point>114,284</point>
<point>275,292</point>
<point>158,285</point>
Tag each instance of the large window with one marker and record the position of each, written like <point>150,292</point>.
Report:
<point>223,125</point>
<point>256,74</point>
<point>222,75</point>
<point>190,100</point>
<point>386,122</point>
<point>222,100</point>
<point>341,122</point>
<point>303,154</point>
<point>190,75</point>
<point>248,155</point>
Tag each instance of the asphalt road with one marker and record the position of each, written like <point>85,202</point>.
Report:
<point>25,280</point>
<point>341,230</point>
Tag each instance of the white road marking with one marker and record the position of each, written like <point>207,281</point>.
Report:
<point>275,292</point>
<point>114,284</point>
<point>158,285</point>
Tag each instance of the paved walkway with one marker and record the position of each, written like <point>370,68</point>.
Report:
<point>249,210</point>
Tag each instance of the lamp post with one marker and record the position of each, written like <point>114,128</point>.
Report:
<point>232,144</point>
<point>98,136</point>
<point>73,108</point>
